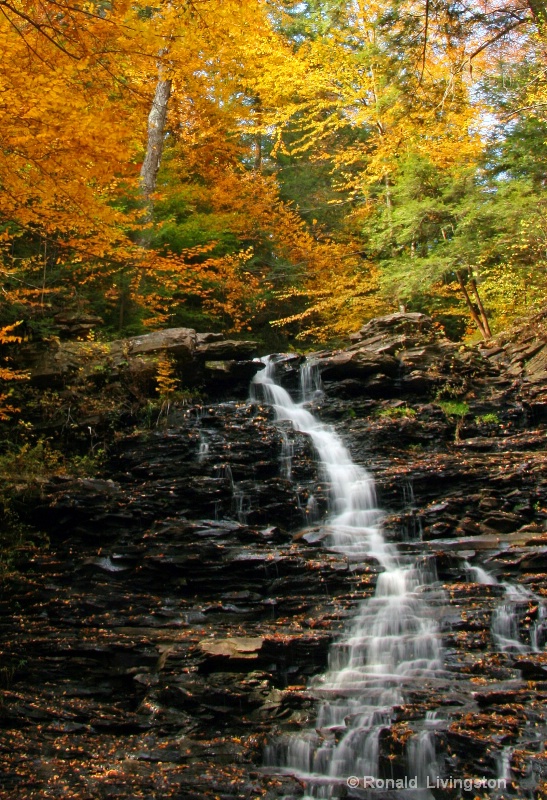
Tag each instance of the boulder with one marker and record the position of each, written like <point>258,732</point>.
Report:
<point>178,342</point>
<point>236,647</point>
<point>226,350</point>
<point>57,362</point>
<point>359,363</point>
<point>74,325</point>
<point>382,334</point>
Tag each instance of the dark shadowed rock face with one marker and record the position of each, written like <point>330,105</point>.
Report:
<point>187,597</point>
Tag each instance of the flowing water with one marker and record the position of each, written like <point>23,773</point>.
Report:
<point>504,626</point>
<point>391,645</point>
<point>479,575</point>
<point>505,620</point>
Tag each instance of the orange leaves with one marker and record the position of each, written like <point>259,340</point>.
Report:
<point>64,138</point>
<point>7,336</point>
<point>75,89</point>
<point>6,374</point>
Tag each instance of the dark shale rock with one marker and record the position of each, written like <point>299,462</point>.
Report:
<point>188,594</point>
<point>226,350</point>
<point>357,364</point>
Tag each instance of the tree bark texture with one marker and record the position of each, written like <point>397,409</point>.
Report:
<point>156,135</point>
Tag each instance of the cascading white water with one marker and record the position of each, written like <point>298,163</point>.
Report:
<point>203,448</point>
<point>240,501</point>
<point>421,757</point>
<point>504,763</point>
<point>505,619</point>
<point>287,453</point>
<point>354,516</point>
<point>310,381</point>
<point>392,642</point>
<point>538,631</point>
<point>504,624</point>
<point>479,575</point>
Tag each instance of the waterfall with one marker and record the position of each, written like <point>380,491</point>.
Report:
<point>479,575</point>
<point>392,643</point>
<point>505,620</point>
<point>354,518</point>
<point>287,453</point>
<point>421,757</point>
<point>241,504</point>
<point>504,626</point>
<point>203,447</point>
<point>504,763</point>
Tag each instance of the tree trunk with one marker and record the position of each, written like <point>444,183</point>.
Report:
<point>156,134</point>
<point>472,310</point>
<point>257,104</point>
<point>482,312</point>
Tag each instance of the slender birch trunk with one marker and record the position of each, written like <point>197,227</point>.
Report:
<point>156,134</point>
<point>157,118</point>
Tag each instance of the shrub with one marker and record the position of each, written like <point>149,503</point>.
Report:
<point>454,408</point>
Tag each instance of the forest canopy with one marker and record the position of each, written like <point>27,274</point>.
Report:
<point>288,169</point>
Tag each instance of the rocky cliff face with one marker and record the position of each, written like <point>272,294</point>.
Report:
<point>197,358</point>
<point>186,599</point>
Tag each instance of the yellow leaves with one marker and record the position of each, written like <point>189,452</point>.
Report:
<point>338,302</point>
<point>167,383</point>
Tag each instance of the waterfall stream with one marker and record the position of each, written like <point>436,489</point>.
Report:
<point>392,643</point>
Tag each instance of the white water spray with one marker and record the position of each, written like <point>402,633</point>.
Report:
<point>479,575</point>
<point>392,643</point>
<point>504,625</point>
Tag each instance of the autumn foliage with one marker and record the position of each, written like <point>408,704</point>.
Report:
<point>319,163</point>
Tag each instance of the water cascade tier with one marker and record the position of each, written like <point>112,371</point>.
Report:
<point>392,642</point>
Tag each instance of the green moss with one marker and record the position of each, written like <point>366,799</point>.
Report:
<point>396,412</point>
<point>487,419</point>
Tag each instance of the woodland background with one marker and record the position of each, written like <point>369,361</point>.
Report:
<point>319,163</point>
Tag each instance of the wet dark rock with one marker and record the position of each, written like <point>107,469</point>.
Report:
<point>189,595</point>
<point>226,350</point>
<point>356,364</point>
<point>232,373</point>
<point>503,522</point>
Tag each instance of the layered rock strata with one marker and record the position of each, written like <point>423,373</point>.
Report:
<point>187,598</point>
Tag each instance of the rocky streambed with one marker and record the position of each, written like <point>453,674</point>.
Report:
<point>171,630</point>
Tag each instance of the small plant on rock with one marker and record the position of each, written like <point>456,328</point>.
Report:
<point>488,419</point>
<point>454,408</point>
<point>396,412</point>
<point>457,409</point>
